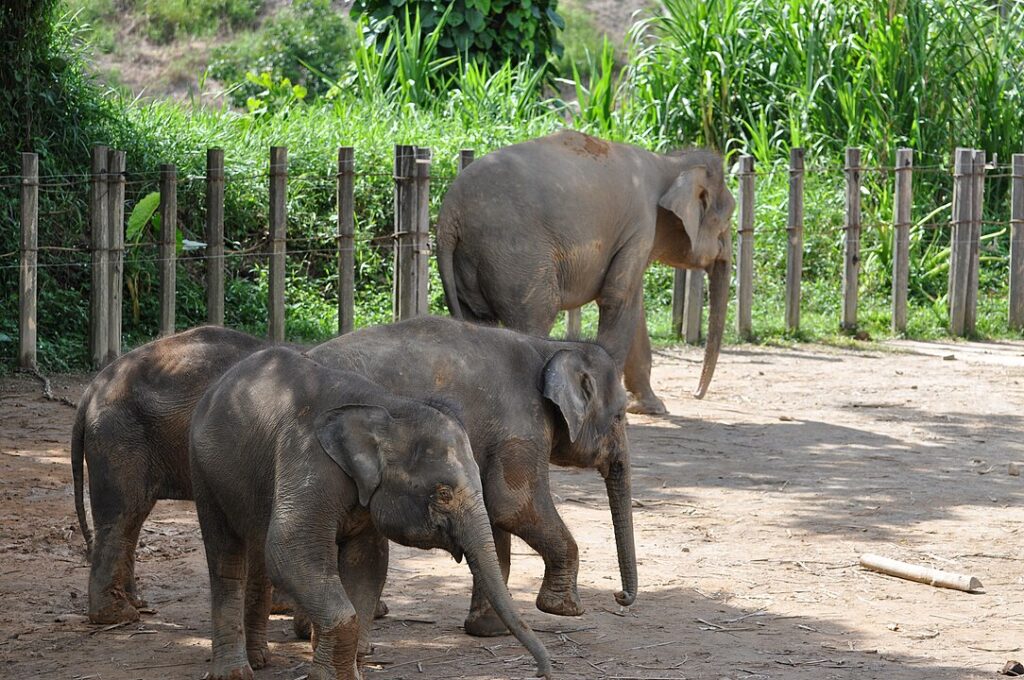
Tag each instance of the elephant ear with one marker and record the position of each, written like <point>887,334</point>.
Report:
<point>570,385</point>
<point>352,436</point>
<point>688,199</point>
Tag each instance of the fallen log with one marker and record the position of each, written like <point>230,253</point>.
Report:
<point>921,574</point>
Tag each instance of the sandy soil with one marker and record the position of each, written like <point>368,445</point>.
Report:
<point>752,509</point>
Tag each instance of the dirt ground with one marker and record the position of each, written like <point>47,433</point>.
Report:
<point>752,508</point>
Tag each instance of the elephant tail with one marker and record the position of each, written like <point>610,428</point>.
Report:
<point>446,242</point>
<point>78,474</point>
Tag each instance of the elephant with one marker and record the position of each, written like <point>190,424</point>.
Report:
<point>301,474</point>
<point>556,222</point>
<point>525,401</point>
<point>131,428</point>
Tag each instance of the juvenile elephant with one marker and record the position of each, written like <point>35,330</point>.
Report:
<point>302,473</point>
<point>525,401</point>
<point>556,222</point>
<point>132,430</point>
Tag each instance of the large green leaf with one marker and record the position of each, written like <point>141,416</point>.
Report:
<point>141,214</point>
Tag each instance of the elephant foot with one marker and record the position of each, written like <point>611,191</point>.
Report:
<point>485,624</point>
<point>381,610</point>
<point>302,626</point>
<point>318,672</point>
<point>560,603</point>
<point>234,673</point>
<point>259,657</point>
<point>117,610</point>
<point>649,405</point>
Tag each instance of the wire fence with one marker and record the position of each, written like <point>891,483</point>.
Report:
<point>412,237</point>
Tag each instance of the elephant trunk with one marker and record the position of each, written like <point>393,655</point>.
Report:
<point>620,500</point>
<point>477,544</point>
<point>719,275</point>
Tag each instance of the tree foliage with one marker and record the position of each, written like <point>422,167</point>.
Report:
<point>496,30</point>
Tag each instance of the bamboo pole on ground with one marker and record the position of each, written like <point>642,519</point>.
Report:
<point>920,574</point>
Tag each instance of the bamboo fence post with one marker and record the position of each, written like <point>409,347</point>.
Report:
<point>678,301</point>
<point>959,252</point>
<point>974,263</point>
<point>168,244</point>
<point>692,306</point>
<point>27,279</point>
<point>115,241</point>
<point>1016,313</point>
<point>99,302</point>
<point>745,246</point>
<point>795,240</point>
<point>215,236</point>
<point>421,235</point>
<point>405,208</point>
<point>574,323</point>
<point>346,240</point>
<point>465,158</point>
<point>278,232</point>
<point>902,202</point>
<point>851,246</point>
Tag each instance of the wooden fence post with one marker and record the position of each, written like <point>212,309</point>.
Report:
<point>421,237</point>
<point>851,256</point>
<point>574,323</point>
<point>745,256</point>
<point>215,236</point>
<point>959,252</point>
<point>978,205</point>
<point>693,305</point>
<point>795,240</point>
<point>167,253</point>
<point>405,209</point>
<point>346,240</point>
<point>465,158</point>
<point>902,202</point>
<point>27,286</point>
<point>278,233</point>
<point>115,240</point>
<point>99,302</point>
<point>1016,314</point>
<point>678,301</point>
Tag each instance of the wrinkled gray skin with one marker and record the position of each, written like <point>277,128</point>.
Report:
<point>132,430</point>
<point>524,401</point>
<point>556,222</point>
<point>301,474</point>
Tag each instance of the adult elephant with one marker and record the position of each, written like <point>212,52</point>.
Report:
<point>556,222</point>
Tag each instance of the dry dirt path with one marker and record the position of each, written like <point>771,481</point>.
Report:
<point>752,508</point>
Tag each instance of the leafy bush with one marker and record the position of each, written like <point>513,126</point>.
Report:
<point>302,43</point>
<point>165,20</point>
<point>496,30</point>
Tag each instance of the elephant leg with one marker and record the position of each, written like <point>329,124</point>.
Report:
<point>637,372</point>
<point>621,302</point>
<point>227,562</point>
<point>258,600</point>
<point>548,535</point>
<point>302,560</point>
<point>112,597</point>
<point>482,620</point>
<point>363,567</point>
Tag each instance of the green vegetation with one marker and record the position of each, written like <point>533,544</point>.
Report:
<point>497,30</point>
<point>166,20</point>
<point>308,43</point>
<point>741,76</point>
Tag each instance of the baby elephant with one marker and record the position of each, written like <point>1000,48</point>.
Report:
<point>300,475</point>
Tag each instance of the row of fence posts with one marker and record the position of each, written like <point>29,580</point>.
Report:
<point>412,249</point>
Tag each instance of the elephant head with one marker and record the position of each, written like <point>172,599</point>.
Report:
<point>584,385</point>
<point>413,467</point>
<point>694,231</point>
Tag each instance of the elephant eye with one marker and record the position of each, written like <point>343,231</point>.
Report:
<point>443,494</point>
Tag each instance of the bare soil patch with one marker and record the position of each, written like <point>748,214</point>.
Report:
<point>752,508</point>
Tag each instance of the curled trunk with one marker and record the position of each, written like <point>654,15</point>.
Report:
<point>719,275</point>
<point>478,546</point>
<point>620,500</point>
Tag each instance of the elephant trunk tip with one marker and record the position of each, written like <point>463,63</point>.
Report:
<point>625,599</point>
